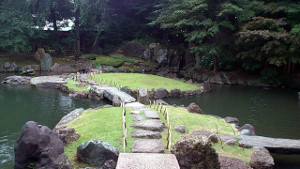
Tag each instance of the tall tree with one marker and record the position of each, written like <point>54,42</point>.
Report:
<point>15,26</point>
<point>208,24</point>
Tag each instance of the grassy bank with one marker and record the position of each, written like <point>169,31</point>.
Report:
<point>103,124</point>
<point>136,80</point>
<point>192,121</point>
<point>71,84</point>
<point>106,124</point>
<point>114,61</point>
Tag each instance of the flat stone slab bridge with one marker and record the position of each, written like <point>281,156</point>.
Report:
<point>274,145</point>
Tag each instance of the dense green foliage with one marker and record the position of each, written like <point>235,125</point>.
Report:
<point>226,35</point>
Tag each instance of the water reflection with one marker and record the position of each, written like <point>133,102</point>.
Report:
<point>19,104</point>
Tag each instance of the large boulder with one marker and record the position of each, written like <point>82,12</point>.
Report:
<point>39,144</point>
<point>174,58</point>
<point>6,66</point>
<point>16,80</point>
<point>162,56</point>
<point>194,108</point>
<point>248,127</point>
<point>146,54</point>
<point>232,163</point>
<point>261,158</point>
<point>39,54</point>
<point>233,120</point>
<point>175,93</point>
<point>195,152</point>
<point>134,49</point>
<point>67,135</point>
<point>161,93</point>
<point>96,152</point>
<point>127,90</point>
<point>155,47</point>
<point>46,62</point>
<point>143,96</point>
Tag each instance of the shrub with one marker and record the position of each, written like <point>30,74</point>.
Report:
<point>270,75</point>
<point>77,54</point>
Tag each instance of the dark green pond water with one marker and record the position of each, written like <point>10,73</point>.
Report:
<point>23,103</point>
<point>273,112</point>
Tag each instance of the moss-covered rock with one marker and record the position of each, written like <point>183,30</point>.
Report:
<point>195,152</point>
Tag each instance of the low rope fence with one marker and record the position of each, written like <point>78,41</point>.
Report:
<point>104,81</point>
<point>163,109</point>
<point>124,127</point>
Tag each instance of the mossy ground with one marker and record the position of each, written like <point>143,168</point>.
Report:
<point>136,80</point>
<point>71,84</point>
<point>106,124</point>
<point>114,61</point>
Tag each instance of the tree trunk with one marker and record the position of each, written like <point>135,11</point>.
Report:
<point>53,16</point>
<point>77,27</point>
<point>215,64</point>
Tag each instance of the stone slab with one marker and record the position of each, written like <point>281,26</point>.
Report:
<point>69,117</point>
<point>147,161</point>
<point>137,117</point>
<point>111,92</point>
<point>47,79</point>
<point>146,134</point>
<point>147,146</point>
<point>135,112</point>
<point>274,145</point>
<point>135,105</point>
<point>154,125</point>
<point>151,114</point>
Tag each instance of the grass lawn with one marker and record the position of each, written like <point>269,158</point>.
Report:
<point>103,124</point>
<point>106,124</point>
<point>71,84</point>
<point>192,121</point>
<point>136,80</point>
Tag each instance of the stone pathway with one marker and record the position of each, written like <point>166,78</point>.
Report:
<point>148,127</point>
<point>147,161</point>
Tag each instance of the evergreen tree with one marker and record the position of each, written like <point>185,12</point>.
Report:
<point>209,24</point>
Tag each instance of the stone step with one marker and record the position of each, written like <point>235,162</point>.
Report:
<point>147,161</point>
<point>137,117</point>
<point>151,114</point>
<point>154,125</point>
<point>147,146</point>
<point>135,112</point>
<point>135,105</point>
<point>146,134</point>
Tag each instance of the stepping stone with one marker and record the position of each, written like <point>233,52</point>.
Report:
<point>151,114</point>
<point>147,161</point>
<point>138,117</point>
<point>146,134</point>
<point>154,125</point>
<point>143,109</point>
<point>135,112</point>
<point>135,105</point>
<point>229,140</point>
<point>147,146</point>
